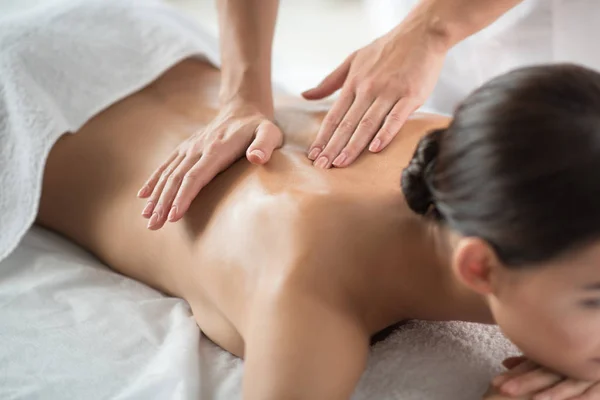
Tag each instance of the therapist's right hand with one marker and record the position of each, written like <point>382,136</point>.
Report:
<point>240,127</point>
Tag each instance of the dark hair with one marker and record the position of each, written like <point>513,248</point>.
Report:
<point>519,165</point>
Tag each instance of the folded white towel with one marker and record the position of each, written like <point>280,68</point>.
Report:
<point>435,361</point>
<point>62,63</point>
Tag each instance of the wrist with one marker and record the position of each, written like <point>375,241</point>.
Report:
<point>428,29</point>
<point>444,23</point>
<point>242,99</point>
<point>439,34</point>
<point>435,26</point>
<point>247,87</point>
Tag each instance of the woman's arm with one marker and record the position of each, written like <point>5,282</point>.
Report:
<point>301,347</point>
<point>447,22</point>
<point>246,29</point>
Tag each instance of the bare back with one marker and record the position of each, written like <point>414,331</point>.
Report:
<point>333,232</point>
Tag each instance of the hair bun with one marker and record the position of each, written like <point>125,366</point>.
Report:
<point>414,180</point>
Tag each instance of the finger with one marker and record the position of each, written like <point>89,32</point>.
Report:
<point>564,390</point>
<point>344,131</point>
<point>164,207</point>
<point>512,362</point>
<point>148,187</point>
<point>520,369</point>
<point>330,123</point>
<point>151,210</point>
<point>331,83</point>
<point>367,127</point>
<point>392,125</point>
<point>593,393</point>
<point>196,178</point>
<point>530,382</point>
<point>154,195</point>
<point>268,138</point>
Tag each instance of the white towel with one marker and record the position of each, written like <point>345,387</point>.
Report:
<point>435,361</point>
<point>62,63</point>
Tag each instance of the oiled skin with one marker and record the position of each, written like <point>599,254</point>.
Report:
<point>258,241</point>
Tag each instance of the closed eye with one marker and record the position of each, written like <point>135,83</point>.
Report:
<point>591,303</point>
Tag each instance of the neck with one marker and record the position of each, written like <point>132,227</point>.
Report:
<point>453,301</point>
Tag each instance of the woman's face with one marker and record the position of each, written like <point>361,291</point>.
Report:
<point>552,311</point>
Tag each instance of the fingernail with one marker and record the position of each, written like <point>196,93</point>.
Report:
<point>259,154</point>
<point>339,160</point>
<point>153,220</point>
<point>148,209</point>
<point>143,191</point>
<point>173,213</point>
<point>375,145</point>
<point>321,162</point>
<point>314,153</point>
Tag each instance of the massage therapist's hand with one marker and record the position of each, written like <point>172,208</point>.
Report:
<point>382,84</point>
<point>239,127</point>
<point>526,379</point>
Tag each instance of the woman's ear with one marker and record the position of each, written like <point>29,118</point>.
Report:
<point>474,263</point>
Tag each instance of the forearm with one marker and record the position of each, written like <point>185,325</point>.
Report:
<point>246,39</point>
<point>447,22</point>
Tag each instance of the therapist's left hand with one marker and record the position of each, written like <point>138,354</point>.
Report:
<point>382,84</point>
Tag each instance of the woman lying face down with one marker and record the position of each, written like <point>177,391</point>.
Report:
<point>515,180</point>
<point>294,267</point>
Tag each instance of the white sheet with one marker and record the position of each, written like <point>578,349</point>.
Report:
<point>73,329</point>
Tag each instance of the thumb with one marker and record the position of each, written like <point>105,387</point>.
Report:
<point>512,362</point>
<point>268,138</point>
<point>331,83</point>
